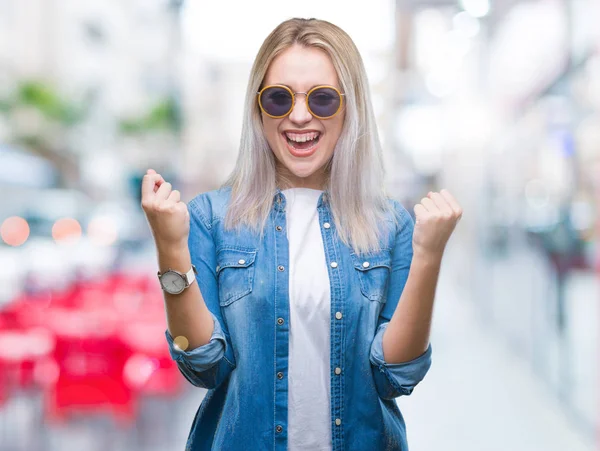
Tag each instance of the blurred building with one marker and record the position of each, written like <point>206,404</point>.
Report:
<point>116,63</point>
<point>498,101</point>
<point>213,106</point>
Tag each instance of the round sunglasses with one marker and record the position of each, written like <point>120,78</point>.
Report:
<point>277,101</point>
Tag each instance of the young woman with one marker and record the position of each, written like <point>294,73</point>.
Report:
<point>313,300</point>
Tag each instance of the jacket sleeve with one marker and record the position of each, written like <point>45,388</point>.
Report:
<point>393,380</point>
<point>209,365</point>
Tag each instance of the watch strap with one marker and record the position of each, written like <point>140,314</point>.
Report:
<point>190,276</point>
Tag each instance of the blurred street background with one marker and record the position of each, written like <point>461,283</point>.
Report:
<point>496,100</point>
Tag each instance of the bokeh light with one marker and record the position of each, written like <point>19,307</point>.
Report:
<point>66,230</point>
<point>102,231</point>
<point>181,342</point>
<point>14,231</point>
<point>476,8</point>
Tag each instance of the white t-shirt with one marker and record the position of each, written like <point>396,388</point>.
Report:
<point>309,418</point>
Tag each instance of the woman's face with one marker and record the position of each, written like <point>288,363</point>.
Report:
<point>301,68</point>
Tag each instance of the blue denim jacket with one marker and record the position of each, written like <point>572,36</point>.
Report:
<point>244,282</point>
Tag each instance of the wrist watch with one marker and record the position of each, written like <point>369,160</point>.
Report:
<point>174,282</point>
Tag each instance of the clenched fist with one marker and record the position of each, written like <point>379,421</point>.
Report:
<point>435,219</point>
<point>167,215</point>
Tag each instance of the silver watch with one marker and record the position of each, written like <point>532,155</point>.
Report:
<point>174,282</point>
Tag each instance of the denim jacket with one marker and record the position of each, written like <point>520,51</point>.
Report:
<point>244,282</point>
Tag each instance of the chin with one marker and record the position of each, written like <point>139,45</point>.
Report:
<point>300,173</point>
<point>301,168</point>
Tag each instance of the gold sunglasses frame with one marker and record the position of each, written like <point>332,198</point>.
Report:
<point>306,95</point>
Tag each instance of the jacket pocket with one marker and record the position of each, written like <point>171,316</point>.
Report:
<point>235,273</point>
<point>373,273</point>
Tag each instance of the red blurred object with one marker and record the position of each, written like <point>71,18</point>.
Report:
<point>90,379</point>
<point>3,385</point>
<point>150,370</point>
<point>95,346</point>
<point>20,350</point>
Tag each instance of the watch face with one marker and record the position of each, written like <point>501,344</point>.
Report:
<point>172,282</point>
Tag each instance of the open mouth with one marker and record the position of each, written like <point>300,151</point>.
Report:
<point>303,141</point>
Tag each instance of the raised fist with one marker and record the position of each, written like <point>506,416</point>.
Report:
<point>436,218</point>
<point>167,215</point>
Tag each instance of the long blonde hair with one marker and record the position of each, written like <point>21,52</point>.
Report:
<point>355,173</point>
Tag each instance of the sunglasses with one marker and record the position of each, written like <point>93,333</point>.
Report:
<point>277,101</point>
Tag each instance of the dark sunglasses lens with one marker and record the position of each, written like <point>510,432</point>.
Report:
<point>324,102</point>
<point>276,101</point>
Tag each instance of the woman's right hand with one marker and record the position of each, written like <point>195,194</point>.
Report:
<point>167,215</point>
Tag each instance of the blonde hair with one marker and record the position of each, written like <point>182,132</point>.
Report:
<point>355,173</point>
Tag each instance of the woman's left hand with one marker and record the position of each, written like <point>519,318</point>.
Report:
<point>435,219</point>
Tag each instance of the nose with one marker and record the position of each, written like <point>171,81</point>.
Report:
<point>300,114</point>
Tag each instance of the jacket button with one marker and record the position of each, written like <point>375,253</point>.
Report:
<point>280,268</point>
<point>365,264</point>
<point>326,225</point>
<point>338,421</point>
<point>279,428</point>
<point>338,371</point>
<point>280,375</point>
<point>338,315</point>
<point>334,264</point>
<point>280,321</point>
<point>218,267</point>
<point>279,228</point>
<point>241,261</point>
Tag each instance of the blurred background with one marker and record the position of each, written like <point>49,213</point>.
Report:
<point>497,101</point>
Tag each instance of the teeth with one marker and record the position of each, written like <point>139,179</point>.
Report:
<point>297,137</point>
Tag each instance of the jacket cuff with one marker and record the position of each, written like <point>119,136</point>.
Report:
<point>203,357</point>
<point>398,378</point>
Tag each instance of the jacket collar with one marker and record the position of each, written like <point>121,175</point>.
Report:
<point>279,199</point>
